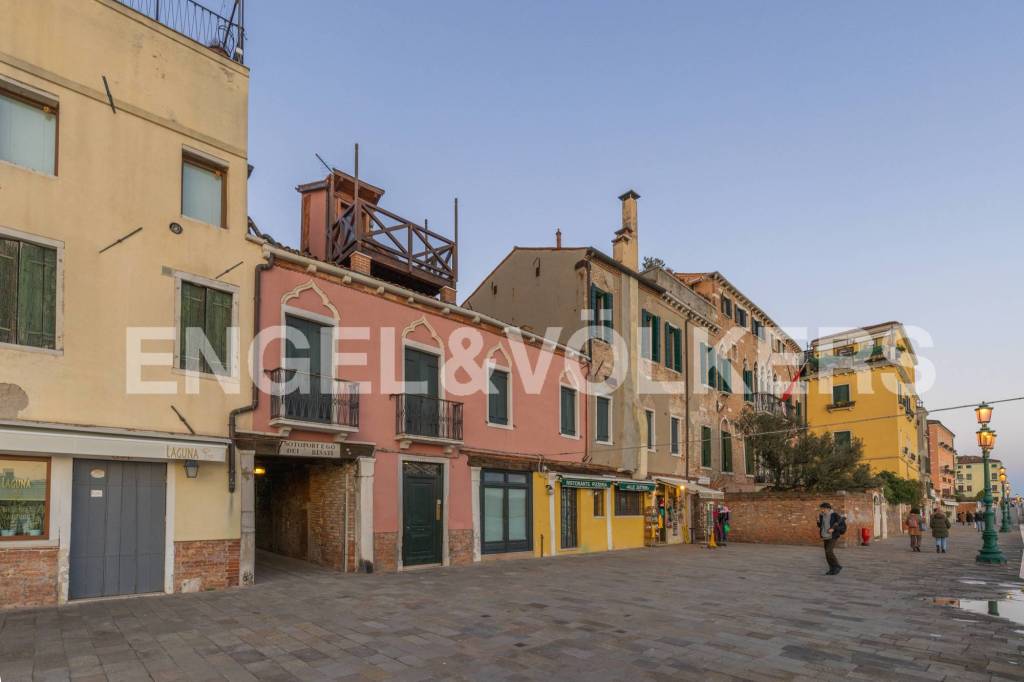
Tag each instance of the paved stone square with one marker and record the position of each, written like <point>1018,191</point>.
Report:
<point>752,612</point>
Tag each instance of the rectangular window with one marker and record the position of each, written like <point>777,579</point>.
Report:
<point>674,434</point>
<point>726,451</point>
<point>205,319</point>
<point>705,446</point>
<point>202,190</point>
<point>741,316</point>
<point>628,503</point>
<point>748,458</point>
<point>673,347</point>
<point>841,394</point>
<point>757,327</point>
<point>725,375</point>
<point>649,428</point>
<point>712,365</point>
<point>727,306</point>
<point>505,510</point>
<point>568,411</point>
<point>748,385</point>
<point>842,439</point>
<point>598,503</point>
<point>24,498</point>
<point>28,132</point>
<point>603,309</point>
<point>604,420</point>
<point>650,337</point>
<point>498,398</point>
<point>569,518</point>
<point>28,294</point>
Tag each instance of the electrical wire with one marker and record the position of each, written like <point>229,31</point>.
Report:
<point>796,428</point>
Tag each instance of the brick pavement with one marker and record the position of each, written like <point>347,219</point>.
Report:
<point>756,612</point>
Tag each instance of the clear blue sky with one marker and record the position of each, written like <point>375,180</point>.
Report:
<point>841,164</point>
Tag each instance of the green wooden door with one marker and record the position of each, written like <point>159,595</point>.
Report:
<point>422,513</point>
<point>422,408</point>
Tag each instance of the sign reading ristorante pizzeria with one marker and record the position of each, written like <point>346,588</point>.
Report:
<point>305,448</point>
<point>588,483</point>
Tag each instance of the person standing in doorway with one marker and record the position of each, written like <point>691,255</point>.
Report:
<point>828,522</point>
<point>940,530</point>
<point>914,529</point>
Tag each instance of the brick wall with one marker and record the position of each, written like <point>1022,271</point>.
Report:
<point>385,552</point>
<point>328,485</point>
<point>790,518</point>
<point>28,577</point>
<point>205,565</point>
<point>460,547</point>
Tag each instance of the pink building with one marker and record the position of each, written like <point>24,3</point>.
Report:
<point>394,428</point>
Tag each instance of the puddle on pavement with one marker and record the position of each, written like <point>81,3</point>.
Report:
<point>1009,605</point>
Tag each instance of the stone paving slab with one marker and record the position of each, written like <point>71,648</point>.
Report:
<point>742,612</point>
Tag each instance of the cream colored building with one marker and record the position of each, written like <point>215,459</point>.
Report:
<point>970,477</point>
<point>123,170</point>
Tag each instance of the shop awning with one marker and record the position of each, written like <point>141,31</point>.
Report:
<point>601,482</point>
<point>692,488</point>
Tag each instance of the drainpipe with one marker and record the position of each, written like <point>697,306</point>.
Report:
<point>260,269</point>
<point>686,390</point>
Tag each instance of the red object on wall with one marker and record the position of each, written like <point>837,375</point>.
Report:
<point>865,536</point>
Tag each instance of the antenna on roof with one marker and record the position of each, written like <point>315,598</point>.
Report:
<point>326,165</point>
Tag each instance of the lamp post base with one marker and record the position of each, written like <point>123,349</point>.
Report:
<point>989,553</point>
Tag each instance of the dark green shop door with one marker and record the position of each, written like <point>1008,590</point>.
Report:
<point>422,513</point>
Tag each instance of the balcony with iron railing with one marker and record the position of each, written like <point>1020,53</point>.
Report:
<point>425,419</point>
<point>312,402</point>
<point>772,404</point>
<point>225,34</point>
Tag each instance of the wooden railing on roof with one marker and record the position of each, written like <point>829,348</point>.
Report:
<point>393,241</point>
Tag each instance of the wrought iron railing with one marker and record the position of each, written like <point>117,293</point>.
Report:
<point>312,398</point>
<point>201,24</point>
<point>421,415</point>
<point>766,402</point>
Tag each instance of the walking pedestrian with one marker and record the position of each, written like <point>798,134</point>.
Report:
<point>723,518</point>
<point>913,524</point>
<point>979,520</point>
<point>940,530</point>
<point>960,518</point>
<point>829,530</point>
<point>969,517</point>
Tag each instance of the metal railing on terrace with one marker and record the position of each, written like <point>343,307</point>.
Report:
<point>193,20</point>
<point>421,415</point>
<point>314,399</point>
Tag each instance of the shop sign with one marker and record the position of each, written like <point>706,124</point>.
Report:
<point>197,452</point>
<point>636,486</point>
<point>586,483</point>
<point>306,448</point>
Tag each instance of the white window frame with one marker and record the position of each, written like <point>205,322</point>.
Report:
<point>576,410</point>
<point>493,365</point>
<point>233,341</point>
<point>210,160</point>
<point>611,412</point>
<point>45,99</point>
<point>58,324</point>
<point>651,435</point>
<point>679,436</point>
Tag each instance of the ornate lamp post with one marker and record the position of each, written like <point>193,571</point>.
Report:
<point>1004,504</point>
<point>989,553</point>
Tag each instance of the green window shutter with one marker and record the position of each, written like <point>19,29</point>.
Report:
<point>726,451</point>
<point>193,316</point>
<point>677,350</point>
<point>705,446</point>
<point>603,419</point>
<point>609,313</point>
<point>593,302</point>
<point>497,400</point>
<point>712,368</point>
<point>8,291</point>
<point>568,411</point>
<point>37,296</point>
<point>218,324</point>
<point>841,394</point>
<point>655,338</point>
<point>747,380</point>
<point>748,455</point>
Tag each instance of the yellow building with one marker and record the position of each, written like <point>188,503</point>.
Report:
<point>970,477</point>
<point>123,169</point>
<point>862,385</point>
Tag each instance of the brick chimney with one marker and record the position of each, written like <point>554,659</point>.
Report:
<point>625,245</point>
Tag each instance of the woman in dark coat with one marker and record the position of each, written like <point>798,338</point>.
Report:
<point>940,530</point>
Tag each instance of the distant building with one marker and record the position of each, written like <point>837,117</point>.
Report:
<point>861,384</point>
<point>970,476</point>
<point>942,459</point>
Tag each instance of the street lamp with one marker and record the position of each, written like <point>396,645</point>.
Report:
<point>989,553</point>
<point>1003,503</point>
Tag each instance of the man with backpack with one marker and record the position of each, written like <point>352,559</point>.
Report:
<point>831,526</point>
